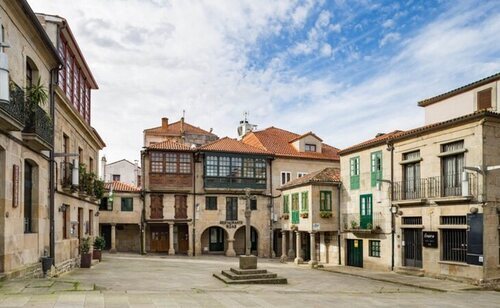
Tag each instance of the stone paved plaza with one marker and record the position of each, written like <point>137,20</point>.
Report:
<point>154,281</point>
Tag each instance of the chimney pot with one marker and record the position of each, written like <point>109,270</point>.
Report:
<point>164,122</point>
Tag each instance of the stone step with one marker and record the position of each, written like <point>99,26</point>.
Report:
<point>238,271</point>
<point>410,271</point>
<point>234,276</point>
<point>226,280</point>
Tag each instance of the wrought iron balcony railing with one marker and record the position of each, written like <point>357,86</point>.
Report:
<point>16,107</point>
<point>39,123</point>
<point>355,222</point>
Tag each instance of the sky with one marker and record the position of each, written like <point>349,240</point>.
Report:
<point>344,69</point>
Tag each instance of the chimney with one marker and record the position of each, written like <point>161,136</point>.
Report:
<point>164,122</point>
<point>182,125</point>
<point>103,168</point>
<point>136,172</point>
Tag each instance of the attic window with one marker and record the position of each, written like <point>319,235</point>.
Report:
<point>310,147</point>
<point>484,99</point>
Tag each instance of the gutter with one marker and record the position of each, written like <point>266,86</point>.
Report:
<point>339,187</point>
<point>390,147</point>
<point>194,206</point>
<point>52,187</point>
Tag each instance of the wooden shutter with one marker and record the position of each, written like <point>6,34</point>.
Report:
<point>484,99</point>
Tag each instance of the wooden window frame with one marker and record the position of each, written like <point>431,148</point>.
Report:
<point>122,204</point>
<point>304,201</point>
<point>211,205</point>
<point>325,206</point>
<point>374,248</point>
<point>484,99</point>
<point>355,172</point>
<point>375,174</point>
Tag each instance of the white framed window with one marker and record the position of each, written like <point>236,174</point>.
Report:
<point>301,174</point>
<point>286,176</point>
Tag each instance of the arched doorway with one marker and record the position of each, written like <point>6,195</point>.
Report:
<point>240,243</point>
<point>214,240</point>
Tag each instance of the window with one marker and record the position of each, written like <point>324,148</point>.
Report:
<point>28,197</point>
<point>310,147</point>
<point>170,162</point>
<point>211,166</point>
<point>234,170</point>
<point>116,178</point>
<point>295,208</point>
<point>29,75</point>
<point>127,204</point>
<point>156,162</point>
<point>354,165</point>
<point>374,248</point>
<point>231,208</point>
<point>452,167</point>
<point>376,167</point>
<point>91,222</point>
<point>249,168</point>
<point>304,201</point>
<point>285,177</point>
<point>211,203</point>
<point>91,164</point>
<point>484,99</point>
<point>454,245</point>
<point>105,205</point>
<point>65,220</point>
<point>286,204</point>
<point>253,205</point>
<point>301,174</point>
<point>80,155</point>
<point>411,175</point>
<point>417,220</point>
<point>453,220</point>
<point>325,200</point>
<point>184,163</point>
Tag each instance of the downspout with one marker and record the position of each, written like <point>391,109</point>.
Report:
<point>143,198</point>
<point>271,210</point>
<point>339,187</point>
<point>194,205</point>
<point>52,186</point>
<point>390,147</point>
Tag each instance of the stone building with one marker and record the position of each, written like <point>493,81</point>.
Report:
<point>120,217</point>
<point>121,171</point>
<point>180,132</point>
<point>294,156</point>
<point>311,210</point>
<point>26,139</point>
<point>442,193</point>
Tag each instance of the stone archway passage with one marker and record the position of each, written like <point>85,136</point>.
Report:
<point>214,240</point>
<point>240,243</point>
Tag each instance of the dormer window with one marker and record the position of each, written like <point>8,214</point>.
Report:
<point>310,147</point>
<point>484,99</point>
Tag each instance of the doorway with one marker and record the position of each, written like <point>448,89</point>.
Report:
<point>182,239</point>
<point>159,239</point>
<point>355,253</point>
<point>412,249</point>
<point>216,239</point>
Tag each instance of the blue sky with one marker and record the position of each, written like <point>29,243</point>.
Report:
<point>343,69</point>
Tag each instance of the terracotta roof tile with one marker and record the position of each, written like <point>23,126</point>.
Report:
<point>278,141</point>
<point>371,142</point>
<point>327,175</point>
<point>174,129</point>
<point>169,145</point>
<point>122,187</point>
<point>229,145</point>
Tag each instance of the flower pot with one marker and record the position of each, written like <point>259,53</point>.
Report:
<point>97,254</point>
<point>86,260</point>
<point>46,264</point>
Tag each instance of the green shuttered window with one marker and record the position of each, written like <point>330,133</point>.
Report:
<point>304,202</point>
<point>354,164</point>
<point>325,200</point>
<point>376,167</point>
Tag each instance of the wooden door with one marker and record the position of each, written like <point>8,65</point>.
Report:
<point>365,211</point>
<point>80,223</point>
<point>412,247</point>
<point>182,239</point>
<point>159,239</point>
<point>355,253</point>
<point>156,206</point>
<point>180,207</point>
<point>216,239</point>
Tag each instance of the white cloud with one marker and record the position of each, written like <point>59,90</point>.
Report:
<point>326,50</point>
<point>389,38</point>
<point>389,23</point>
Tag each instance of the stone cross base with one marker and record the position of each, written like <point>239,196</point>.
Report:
<point>248,262</point>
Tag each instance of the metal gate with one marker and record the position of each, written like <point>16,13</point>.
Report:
<point>412,247</point>
<point>355,253</point>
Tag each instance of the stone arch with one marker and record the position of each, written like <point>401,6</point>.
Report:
<point>240,243</point>
<point>214,239</point>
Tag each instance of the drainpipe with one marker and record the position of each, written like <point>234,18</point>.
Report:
<point>52,186</point>
<point>194,205</point>
<point>390,147</point>
<point>143,197</point>
<point>339,188</point>
<point>271,210</point>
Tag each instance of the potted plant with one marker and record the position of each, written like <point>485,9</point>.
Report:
<point>325,214</point>
<point>36,96</point>
<point>98,189</point>
<point>285,216</point>
<point>86,256</point>
<point>99,245</point>
<point>294,227</point>
<point>83,179</point>
<point>354,224</point>
<point>304,215</point>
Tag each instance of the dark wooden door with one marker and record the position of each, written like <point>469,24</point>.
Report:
<point>182,239</point>
<point>216,239</point>
<point>412,247</point>
<point>159,239</point>
<point>106,233</point>
<point>355,253</point>
<point>156,206</point>
<point>80,223</point>
<point>180,207</point>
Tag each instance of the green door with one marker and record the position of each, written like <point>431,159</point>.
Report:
<point>295,209</point>
<point>365,211</point>
<point>355,253</point>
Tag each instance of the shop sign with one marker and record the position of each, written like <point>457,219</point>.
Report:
<point>231,224</point>
<point>430,239</point>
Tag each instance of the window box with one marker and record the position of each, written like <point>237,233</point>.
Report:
<point>325,214</point>
<point>285,216</point>
<point>304,215</point>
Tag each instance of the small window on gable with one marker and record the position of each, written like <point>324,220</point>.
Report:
<point>484,98</point>
<point>310,147</point>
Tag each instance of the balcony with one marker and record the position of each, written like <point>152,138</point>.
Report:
<point>237,183</point>
<point>12,113</point>
<point>451,186</point>
<point>38,132</point>
<point>67,177</point>
<point>356,223</point>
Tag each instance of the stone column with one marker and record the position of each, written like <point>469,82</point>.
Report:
<point>313,262</point>
<point>283,246</point>
<point>298,259</point>
<point>171,250</point>
<point>291,252</point>
<point>143,238</point>
<point>113,238</point>
<point>230,248</point>
<point>190,240</point>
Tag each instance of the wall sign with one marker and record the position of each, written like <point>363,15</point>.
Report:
<point>15,186</point>
<point>430,239</point>
<point>316,226</point>
<point>231,224</point>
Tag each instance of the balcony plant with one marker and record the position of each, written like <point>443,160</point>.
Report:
<point>98,189</point>
<point>354,224</point>
<point>294,227</point>
<point>86,256</point>
<point>89,185</point>
<point>369,226</point>
<point>99,246</point>
<point>304,215</point>
<point>285,216</point>
<point>36,95</point>
<point>84,180</point>
<point>325,214</point>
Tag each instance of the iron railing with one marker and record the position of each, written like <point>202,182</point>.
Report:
<point>434,187</point>
<point>230,182</point>
<point>39,123</point>
<point>355,222</point>
<point>16,107</point>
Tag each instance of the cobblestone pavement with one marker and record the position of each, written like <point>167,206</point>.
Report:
<point>124,280</point>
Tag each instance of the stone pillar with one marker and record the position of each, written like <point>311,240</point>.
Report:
<point>113,239</point>
<point>171,250</point>
<point>143,239</point>
<point>314,261</point>
<point>230,248</point>
<point>283,246</point>
<point>291,252</point>
<point>298,259</point>
<point>190,240</point>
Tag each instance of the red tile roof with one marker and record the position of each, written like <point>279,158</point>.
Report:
<point>278,141</point>
<point>371,142</point>
<point>122,187</point>
<point>174,129</point>
<point>327,175</point>
<point>304,135</point>
<point>229,145</point>
<point>169,145</point>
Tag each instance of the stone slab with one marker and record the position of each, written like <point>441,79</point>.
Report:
<point>248,271</point>
<point>226,280</point>
<point>234,276</point>
<point>248,262</point>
